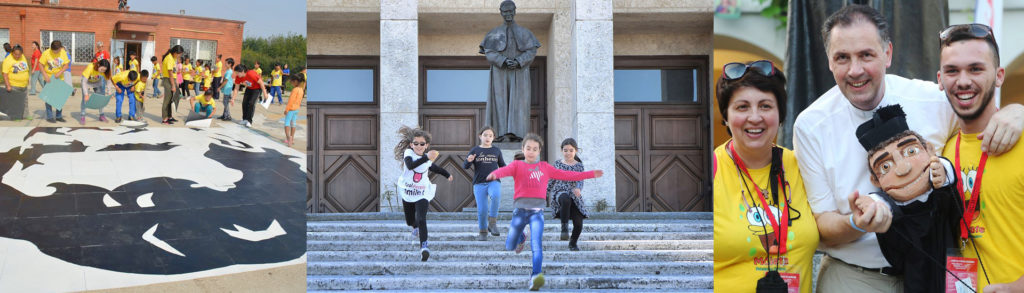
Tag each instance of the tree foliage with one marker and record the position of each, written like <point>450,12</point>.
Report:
<point>279,49</point>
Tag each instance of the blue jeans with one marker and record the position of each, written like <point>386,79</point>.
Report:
<point>35,77</point>
<point>125,91</point>
<point>156,87</point>
<point>275,91</point>
<point>483,191</point>
<point>208,109</point>
<point>521,217</point>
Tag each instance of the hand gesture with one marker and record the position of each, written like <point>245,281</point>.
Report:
<point>875,217</point>
<point>433,155</point>
<point>471,157</point>
<point>1003,130</point>
<point>450,178</point>
<point>598,173</point>
<point>938,172</point>
<point>576,191</point>
<point>491,177</point>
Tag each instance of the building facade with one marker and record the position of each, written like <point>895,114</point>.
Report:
<point>629,80</point>
<point>79,25</point>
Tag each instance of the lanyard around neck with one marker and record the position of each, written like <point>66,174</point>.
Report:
<point>972,204</point>
<point>779,228</point>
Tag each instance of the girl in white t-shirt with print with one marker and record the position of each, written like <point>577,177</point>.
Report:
<point>414,185</point>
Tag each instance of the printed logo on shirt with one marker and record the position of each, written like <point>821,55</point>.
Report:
<point>969,175</point>
<point>763,235</point>
<point>56,63</point>
<point>20,66</point>
<point>535,173</point>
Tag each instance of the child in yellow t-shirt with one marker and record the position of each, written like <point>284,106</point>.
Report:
<point>275,84</point>
<point>207,77</point>
<point>204,102</point>
<point>186,76</point>
<point>133,62</point>
<point>139,94</point>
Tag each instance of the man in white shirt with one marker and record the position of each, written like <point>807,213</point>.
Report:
<point>833,164</point>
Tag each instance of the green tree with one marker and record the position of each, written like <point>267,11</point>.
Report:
<point>278,49</point>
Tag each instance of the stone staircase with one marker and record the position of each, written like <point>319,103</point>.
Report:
<point>620,252</point>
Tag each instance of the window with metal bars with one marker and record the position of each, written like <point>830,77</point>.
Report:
<point>79,44</point>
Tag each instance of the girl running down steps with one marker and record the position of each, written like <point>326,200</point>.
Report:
<point>414,184</point>
<point>566,197</point>
<point>484,159</point>
<point>531,181</point>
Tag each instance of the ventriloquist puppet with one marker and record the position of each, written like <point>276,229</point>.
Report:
<point>924,202</point>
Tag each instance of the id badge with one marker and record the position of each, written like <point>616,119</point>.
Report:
<point>792,281</point>
<point>964,268</point>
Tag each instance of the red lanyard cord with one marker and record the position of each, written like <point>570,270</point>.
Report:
<point>780,229</point>
<point>972,204</point>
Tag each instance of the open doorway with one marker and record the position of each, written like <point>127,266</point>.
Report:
<point>128,49</point>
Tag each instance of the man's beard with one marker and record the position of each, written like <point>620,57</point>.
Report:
<point>968,117</point>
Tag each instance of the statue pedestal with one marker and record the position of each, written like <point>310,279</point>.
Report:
<point>508,151</point>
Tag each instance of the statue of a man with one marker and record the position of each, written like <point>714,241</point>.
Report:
<point>510,49</point>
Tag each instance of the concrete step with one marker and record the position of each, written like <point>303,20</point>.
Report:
<point>556,256</point>
<point>506,216</point>
<point>412,245</point>
<point>507,282</point>
<point>465,236</point>
<point>549,227</point>
<point>486,267</point>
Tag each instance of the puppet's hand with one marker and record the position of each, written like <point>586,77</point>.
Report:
<point>938,172</point>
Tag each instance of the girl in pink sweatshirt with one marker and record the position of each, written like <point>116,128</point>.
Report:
<point>531,182</point>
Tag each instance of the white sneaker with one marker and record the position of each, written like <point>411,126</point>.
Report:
<point>248,124</point>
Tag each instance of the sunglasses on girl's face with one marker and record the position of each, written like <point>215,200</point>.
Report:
<point>976,30</point>
<point>736,70</point>
<point>419,143</point>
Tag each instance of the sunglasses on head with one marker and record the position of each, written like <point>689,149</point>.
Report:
<point>419,143</point>
<point>976,30</point>
<point>736,70</point>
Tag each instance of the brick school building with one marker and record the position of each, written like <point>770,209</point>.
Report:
<point>81,24</point>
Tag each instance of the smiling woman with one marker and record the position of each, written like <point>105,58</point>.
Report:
<point>763,228</point>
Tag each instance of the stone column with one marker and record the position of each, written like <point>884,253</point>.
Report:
<point>593,76</point>
<point>399,55</point>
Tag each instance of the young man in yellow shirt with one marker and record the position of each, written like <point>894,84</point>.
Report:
<point>124,83</point>
<point>55,63</point>
<point>969,74</point>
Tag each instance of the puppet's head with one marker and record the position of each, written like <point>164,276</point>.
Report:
<point>897,157</point>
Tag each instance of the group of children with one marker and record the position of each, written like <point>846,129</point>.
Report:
<point>202,82</point>
<point>535,182</point>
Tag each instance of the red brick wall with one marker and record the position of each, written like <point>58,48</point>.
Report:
<point>101,4</point>
<point>103,22</point>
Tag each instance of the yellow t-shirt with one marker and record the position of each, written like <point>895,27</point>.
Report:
<point>208,79</point>
<point>140,90</point>
<point>122,79</point>
<point>206,101</point>
<point>219,71</point>
<point>260,72</point>
<point>168,66</point>
<point>740,255</point>
<point>53,62</point>
<point>90,73</point>
<point>133,65</point>
<point>156,71</point>
<point>187,71</point>
<point>997,230</point>
<point>16,70</point>
<point>275,77</point>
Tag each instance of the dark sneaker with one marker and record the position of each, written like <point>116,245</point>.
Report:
<point>573,247</point>
<point>172,120</point>
<point>519,248</point>
<point>116,120</point>
<point>482,236</point>
<point>51,120</point>
<point>61,119</point>
<point>424,252</point>
<point>536,282</point>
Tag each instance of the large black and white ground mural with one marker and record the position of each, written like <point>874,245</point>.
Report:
<point>97,208</point>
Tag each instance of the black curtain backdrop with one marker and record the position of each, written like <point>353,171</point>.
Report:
<point>914,27</point>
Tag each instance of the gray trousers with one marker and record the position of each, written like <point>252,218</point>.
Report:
<point>838,276</point>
